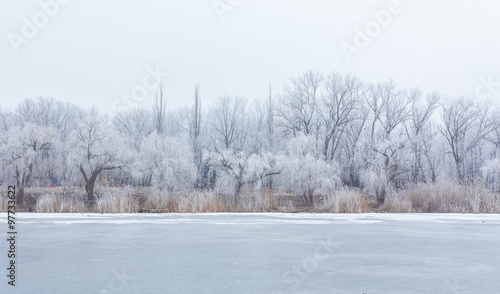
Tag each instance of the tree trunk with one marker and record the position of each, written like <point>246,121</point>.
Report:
<point>20,195</point>
<point>351,176</point>
<point>307,197</point>
<point>380,195</point>
<point>21,181</point>
<point>89,187</point>
<point>237,192</point>
<point>90,183</point>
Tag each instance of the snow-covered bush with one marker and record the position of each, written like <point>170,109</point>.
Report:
<point>168,161</point>
<point>117,200</point>
<point>385,163</point>
<point>304,173</point>
<point>375,183</point>
<point>239,169</point>
<point>29,155</point>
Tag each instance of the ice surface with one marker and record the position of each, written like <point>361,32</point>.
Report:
<point>254,253</point>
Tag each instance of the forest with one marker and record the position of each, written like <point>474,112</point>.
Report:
<point>326,142</point>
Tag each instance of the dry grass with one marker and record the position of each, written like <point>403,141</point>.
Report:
<point>343,201</point>
<point>160,201</point>
<point>207,201</point>
<point>444,197</point>
<point>54,202</point>
<point>264,200</point>
<point>117,200</point>
<point>196,201</point>
<point>3,199</point>
<point>202,202</point>
<point>3,203</point>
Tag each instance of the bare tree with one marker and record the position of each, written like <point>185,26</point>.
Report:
<point>195,129</point>
<point>270,121</point>
<point>47,112</point>
<point>5,120</point>
<point>389,110</point>
<point>159,110</point>
<point>297,105</point>
<point>351,143</point>
<point>227,118</point>
<point>389,107</point>
<point>134,124</point>
<point>337,109</point>
<point>465,126</point>
<point>422,110</point>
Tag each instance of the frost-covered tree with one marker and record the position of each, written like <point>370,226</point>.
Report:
<point>385,143</point>
<point>337,108</point>
<point>380,136</point>
<point>270,140</point>
<point>134,125</point>
<point>419,132</point>
<point>297,105</point>
<point>382,170</point>
<point>29,153</point>
<point>491,174</point>
<point>94,146</point>
<point>159,110</point>
<point>5,120</point>
<point>465,126</point>
<point>169,163</point>
<point>195,131</point>
<point>47,112</point>
<point>304,172</point>
<point>352,150</point>
<point>228,122</point>
<point>241,168</point>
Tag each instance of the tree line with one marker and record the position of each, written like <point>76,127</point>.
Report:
<point>318,133</point>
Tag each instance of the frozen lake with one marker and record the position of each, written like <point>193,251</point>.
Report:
<point>254,253</point>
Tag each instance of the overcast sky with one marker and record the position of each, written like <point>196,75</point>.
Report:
<point>100,52</point>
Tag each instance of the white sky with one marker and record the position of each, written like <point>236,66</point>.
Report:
<point>93,52</point>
